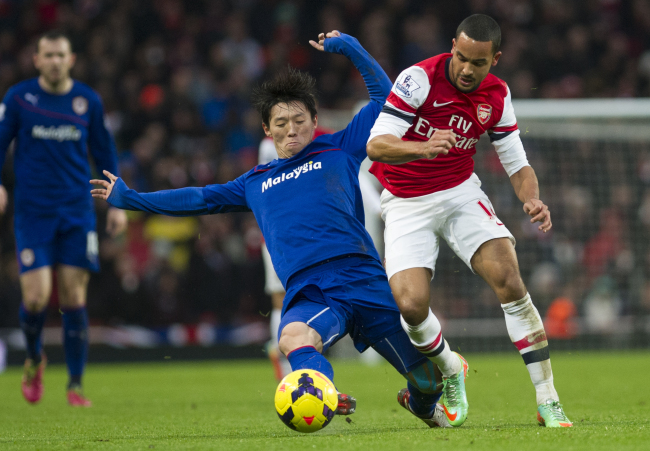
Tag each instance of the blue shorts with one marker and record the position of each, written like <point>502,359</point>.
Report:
<point>351,296</point>
<point>46,239</point>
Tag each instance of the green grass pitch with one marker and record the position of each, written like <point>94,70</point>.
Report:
<point>229,405</point>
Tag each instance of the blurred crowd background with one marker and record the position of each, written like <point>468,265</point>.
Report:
<point>176,76</point>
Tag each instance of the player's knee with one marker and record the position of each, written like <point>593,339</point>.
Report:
<point>296,335</point>
<point>72,299</point>
<point>36,299</point>
<point>414,310</point>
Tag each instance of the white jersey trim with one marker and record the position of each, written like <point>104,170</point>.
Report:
<point>511,153</point>
<point>387,124</point>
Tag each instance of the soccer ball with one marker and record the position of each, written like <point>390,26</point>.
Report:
<point>306,400</point>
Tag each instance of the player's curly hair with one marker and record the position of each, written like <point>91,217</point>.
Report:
<point>481,28</point>
<point>291,86</point>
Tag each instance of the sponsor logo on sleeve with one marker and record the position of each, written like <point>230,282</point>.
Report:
<point>80,105</point>
<point>405,85</point>
<point>27,257</point>
<point>484,112</point>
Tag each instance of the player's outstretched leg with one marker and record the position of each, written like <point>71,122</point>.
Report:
<point>31,324</point>
<point>303,344</point>
<point>75,344</point>
<point>526,331</point>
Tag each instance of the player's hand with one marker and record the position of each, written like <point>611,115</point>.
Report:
<point>115,222</point>
<point>103,193</point>
<point>320,45</point>
<point>539,212</point>
<point>3,199</point>
<point>440,142</point>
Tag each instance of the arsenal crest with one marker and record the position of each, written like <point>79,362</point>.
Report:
<point>484,113</point>
<point>80,105</point>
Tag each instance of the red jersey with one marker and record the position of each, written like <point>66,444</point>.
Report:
<point>423,100</point>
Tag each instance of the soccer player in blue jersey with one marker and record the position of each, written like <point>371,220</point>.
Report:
<point>309,207</point>
<point>54,121</point>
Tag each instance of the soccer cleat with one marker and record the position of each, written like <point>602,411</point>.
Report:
<point>437,420</point>
<point>347,405</point>
<point>76,397</point>
<point>551,415</point>
<point>32,382</point>
<point>454,396</point>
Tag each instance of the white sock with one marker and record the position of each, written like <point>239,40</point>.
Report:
<point>276,316</point>
<point>526,331</point>
<point>427,338</point>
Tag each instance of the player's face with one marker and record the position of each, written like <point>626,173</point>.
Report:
<point>291,127</point>
<point>54,60</point>
<point>470,62</point>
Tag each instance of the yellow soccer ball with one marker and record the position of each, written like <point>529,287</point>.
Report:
<point>306,400</point>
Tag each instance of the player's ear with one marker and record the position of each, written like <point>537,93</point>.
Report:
<point>267,131</point>
<point>315,120</point>
<point>453,45</point>
<point>73,59</point>
<point>495,58</point>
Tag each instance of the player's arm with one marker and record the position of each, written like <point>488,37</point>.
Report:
<point>507,142</point>
<point>8,128</point>
<point>189,201</point>
<point>102,149</point>
<point>385,143</point>
<point>354,137</point>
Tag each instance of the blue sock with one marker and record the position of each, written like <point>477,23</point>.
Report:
<point>422,404</point>
<point>32,326</point>
<point>75,342</point>
<point>309,358</point>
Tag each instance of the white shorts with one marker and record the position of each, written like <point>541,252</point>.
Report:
<point>463,216</point>
<point>272,282</point>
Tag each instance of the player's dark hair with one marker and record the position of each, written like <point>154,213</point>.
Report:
<point>481,28</point>
<point>53,35</point>
<point>291,86</point>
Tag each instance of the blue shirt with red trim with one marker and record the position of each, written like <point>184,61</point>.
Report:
<point>53,134</point>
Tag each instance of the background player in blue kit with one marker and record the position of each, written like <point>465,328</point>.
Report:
<point>309,207</point>
<point>54,121</point>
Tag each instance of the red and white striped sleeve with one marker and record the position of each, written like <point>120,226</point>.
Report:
<point>505,137</point>
<point>409,92</point>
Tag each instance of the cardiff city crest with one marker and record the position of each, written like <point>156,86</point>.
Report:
<point>484,113</point>
<point>80,105</point>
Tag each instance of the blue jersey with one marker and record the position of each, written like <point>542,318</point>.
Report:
<point>309,206</point>
<point>53,134</point>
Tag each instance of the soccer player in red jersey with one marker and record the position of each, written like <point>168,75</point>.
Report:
<point>422,144</point>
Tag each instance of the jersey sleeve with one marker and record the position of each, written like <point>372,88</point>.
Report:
<point>409,93</point>
<point>174,202</point>
<point>507,142</point>
<point>100,141</point>
<point>227,198</point>
<point>8,125</point>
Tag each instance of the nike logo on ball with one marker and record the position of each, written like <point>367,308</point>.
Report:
<point>436,104</point>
